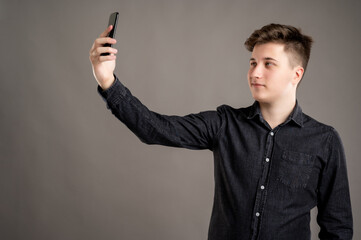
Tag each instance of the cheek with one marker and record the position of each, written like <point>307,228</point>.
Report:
<point>286,77</point>
<point>269,75</point>
<point>276,76</point>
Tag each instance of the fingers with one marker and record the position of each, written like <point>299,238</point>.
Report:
<point>100,50</point>
<point>105,33</point>
<point>98,47</point>
<point>95,54</point>
<point>107,58</point>
<point>99,59</point>
<point>101,41</point>
<point>104,39</point>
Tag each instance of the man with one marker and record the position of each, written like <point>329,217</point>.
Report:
<point>273,163</point>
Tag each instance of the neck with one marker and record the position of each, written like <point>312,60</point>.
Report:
<point>277,113</point>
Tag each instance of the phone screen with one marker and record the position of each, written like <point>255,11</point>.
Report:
<point>113,18</point>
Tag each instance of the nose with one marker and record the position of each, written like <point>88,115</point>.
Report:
<point>255,71</point>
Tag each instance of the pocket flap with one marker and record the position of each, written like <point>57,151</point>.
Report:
<point>297,157</point>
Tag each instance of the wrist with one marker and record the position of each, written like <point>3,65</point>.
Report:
<point>105,85</point>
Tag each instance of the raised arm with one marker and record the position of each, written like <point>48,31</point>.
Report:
<point>194,131</point>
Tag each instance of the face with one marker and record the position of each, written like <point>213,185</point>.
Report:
<point>271,77</point>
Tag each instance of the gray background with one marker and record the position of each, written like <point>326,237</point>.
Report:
<point>70,170</point>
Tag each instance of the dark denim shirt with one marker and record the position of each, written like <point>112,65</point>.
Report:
<point>266,180</point>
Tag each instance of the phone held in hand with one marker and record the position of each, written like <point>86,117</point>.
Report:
<point>113,19</point>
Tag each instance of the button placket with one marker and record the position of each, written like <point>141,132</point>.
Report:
<point>261,197</point>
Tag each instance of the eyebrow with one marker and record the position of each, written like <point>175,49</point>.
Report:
<point>266,58</point>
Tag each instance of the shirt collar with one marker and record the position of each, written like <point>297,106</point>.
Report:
<point>254,110</point>
<point>296,116</point>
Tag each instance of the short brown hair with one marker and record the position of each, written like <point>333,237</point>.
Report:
<point>296,43</point>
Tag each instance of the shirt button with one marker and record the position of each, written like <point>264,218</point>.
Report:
<point>257,214</point>
<point>272,133</point>
<point>267,159</point>
<point>262,187</point>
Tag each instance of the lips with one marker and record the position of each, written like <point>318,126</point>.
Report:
<point>257,85</point>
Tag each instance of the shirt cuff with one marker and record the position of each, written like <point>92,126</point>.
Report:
<point>114,94</point>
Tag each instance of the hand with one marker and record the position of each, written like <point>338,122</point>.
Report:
<point>103,66</point>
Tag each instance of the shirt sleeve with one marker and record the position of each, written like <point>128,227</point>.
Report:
<point>193,131</point>
<point>334,205</point>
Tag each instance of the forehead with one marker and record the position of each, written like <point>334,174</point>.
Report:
<point>269,50</point>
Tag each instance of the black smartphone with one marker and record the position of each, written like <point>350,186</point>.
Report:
<point>113,19</point>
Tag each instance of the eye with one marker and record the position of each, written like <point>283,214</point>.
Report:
<point>253,64</point>
<point>268,64</point>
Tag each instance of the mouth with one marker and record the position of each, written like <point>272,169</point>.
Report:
<point>257,85</point>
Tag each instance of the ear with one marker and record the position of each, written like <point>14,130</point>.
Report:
<point>298,74</point>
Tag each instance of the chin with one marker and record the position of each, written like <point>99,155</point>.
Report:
<point>261,99</point>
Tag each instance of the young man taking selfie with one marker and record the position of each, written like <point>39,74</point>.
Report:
<point>272,162</point>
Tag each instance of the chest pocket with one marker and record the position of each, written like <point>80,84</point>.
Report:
<point>295,169</point>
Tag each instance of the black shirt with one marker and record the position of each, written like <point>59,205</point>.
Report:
<point>266,180</point>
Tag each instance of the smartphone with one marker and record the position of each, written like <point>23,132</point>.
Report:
<point>113,19</point>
